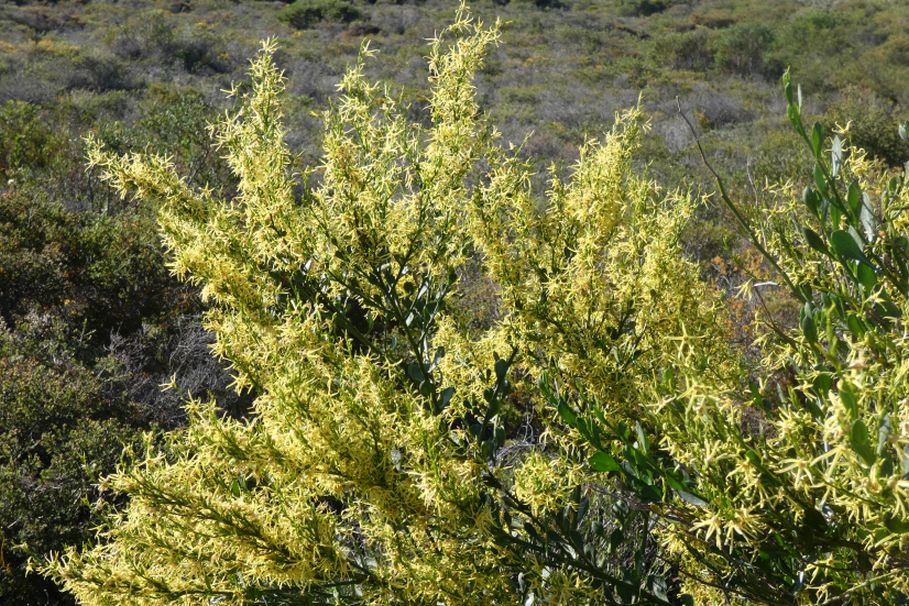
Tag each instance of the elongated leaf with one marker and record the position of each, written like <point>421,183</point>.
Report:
<point>836,156</point>
<point>817,139</point>
<point>849,401</point>
<point>896,525</point>
<point>643,443</point>
<point>692,499</point>
<point>846,247</point>
<point>810,198</point>
<point>603,461</point>
<point>858,436</point>
<point>883,434</point>
<point>854,198</point>
<point>806,321</point>
<point>867,277</point>
<point>815,241</point>
<point>568,415</point>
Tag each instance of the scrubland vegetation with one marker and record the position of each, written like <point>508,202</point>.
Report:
<point>483,328</point>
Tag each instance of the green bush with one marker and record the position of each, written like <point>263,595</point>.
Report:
<point>741,49</point>
<point>685,50</point>
<point>304,14</point>
<point>58,435</point>
<point>872,126</point>
<point>24,138</point>
<point>643,8</point>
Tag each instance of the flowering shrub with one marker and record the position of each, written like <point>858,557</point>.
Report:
<point>585,435</point>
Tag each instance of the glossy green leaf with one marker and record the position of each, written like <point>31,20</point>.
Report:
<point>568,415</point>
<point>806,321</point>
<point>866,277</point>
<point>815,241</point>
<point>845,246</point>
<point>849,401</point>
<point>817,139</point>
<point>604,462</point>
<point>858,437</point>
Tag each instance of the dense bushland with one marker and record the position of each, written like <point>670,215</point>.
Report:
<point>471,392</point>
<point>91,325</point>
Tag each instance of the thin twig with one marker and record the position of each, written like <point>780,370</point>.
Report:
<point>743,222</point>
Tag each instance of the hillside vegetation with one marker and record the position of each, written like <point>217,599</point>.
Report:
<point>455,363</point>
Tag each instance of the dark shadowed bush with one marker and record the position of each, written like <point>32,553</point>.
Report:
<point>303,14</point>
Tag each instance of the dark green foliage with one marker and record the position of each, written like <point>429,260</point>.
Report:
<point>103,271</point>
<point>23,137</point>
<point>741,49</point>
<point>155,35</point>
<point>57,435</point>
<point>304,14</point>
<point>644,8</point>
<point>872,126</point>
<point>687,50</point>
<point>544,4</point>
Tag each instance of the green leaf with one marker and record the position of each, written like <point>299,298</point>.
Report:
<point>674,483</point>
<point>895,525</point>
<point>854,198</point>
<point>415,372</point>
<point>849,401</point>
<point>815,241</point>
<point>817,139</point>
<point>793,112</point>
<point>846,246</point>
<point>810,198</point>
<point>642,438</point>
<point>502,369</point>
<point>883,434</point>
<point>858,437</point>
<point>820,181</point>
<point>568,415</point>
<point>692,499</point>
<point>445,396</point>
<point>603,461</point>
<point>867,277</point>
<point>855,326</point>
<point>787,85</point>
<point>823,382</point>
<point>809,328</point>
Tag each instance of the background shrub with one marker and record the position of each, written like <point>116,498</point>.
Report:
<point>741,49</point>
<point>303,14</point>
<point>24,137</point>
